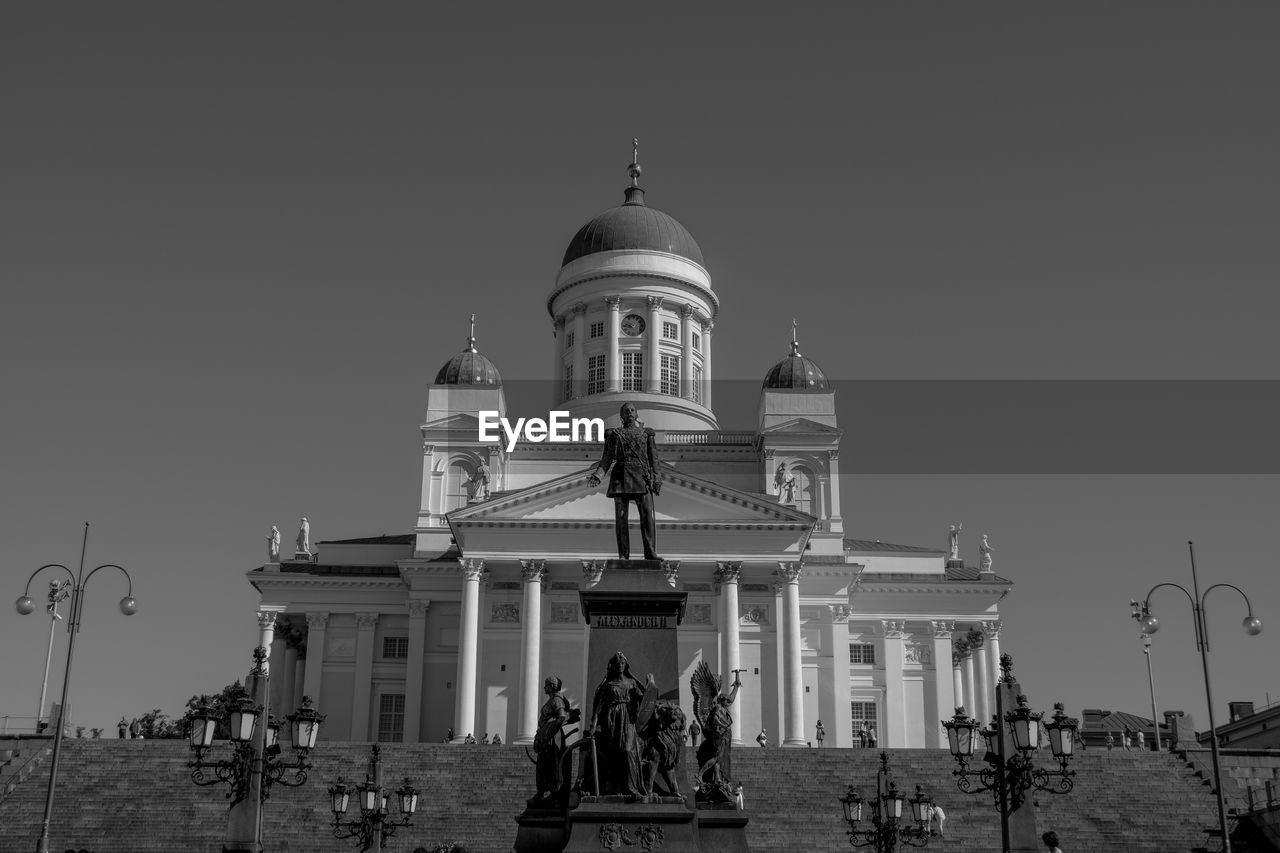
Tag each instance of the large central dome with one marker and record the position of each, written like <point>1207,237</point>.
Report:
<point>633,225</point>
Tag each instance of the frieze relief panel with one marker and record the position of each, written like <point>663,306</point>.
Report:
<point>917,653</point>
<point>754,614</point>
<point>698,614</point>
<point>338,646</point>
<point>508,612</point>
<point>564,614</point>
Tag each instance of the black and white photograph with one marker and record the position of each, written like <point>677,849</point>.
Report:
<point>566,427</point>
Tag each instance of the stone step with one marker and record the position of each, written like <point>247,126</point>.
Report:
<point>136,796</point>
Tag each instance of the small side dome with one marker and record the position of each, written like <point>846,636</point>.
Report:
<point>469,367</point>
<point>796,373</point>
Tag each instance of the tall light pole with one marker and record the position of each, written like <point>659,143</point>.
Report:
<point>1151,681</point>
<point>25,606</point>
<point>59,591</point>
<point>1252,626</point>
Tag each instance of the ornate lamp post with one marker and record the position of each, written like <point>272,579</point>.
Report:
<point>1252,626</point>
<point>372,827</point>
<point>1010,771</point>
<point>887,828</point>
<point>25,606</point>
<point>254,762</point>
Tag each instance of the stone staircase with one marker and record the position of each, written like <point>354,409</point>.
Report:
<point>19,758</point>
<point>135,796</point>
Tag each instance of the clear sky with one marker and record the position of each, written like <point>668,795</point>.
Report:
<point>238,240</point>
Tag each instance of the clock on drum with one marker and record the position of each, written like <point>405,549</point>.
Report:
<point>633,325</point>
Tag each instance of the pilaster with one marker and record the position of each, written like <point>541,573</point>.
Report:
<point>362,694</point>
<point>317,623</point>
<point>894,726</point>
<point>943,684</point>
<point>413,673</point>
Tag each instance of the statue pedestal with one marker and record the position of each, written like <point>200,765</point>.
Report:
<point>610,823</point>
<point>634,610</point>
<point>955,564</point>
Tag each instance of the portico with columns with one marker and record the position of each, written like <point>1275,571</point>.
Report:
<point>454,626</point>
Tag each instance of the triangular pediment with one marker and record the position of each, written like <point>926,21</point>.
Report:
<point>685,499</point>
<point>801,425</point>
<point>454,422</point>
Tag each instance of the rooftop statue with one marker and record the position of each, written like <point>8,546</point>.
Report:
<point>984,554</point>
<point>304,536</point>
<point>954,540</point>
<point>273,545</point>
<point>629,450</point>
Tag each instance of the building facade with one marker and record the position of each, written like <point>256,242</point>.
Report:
<point>452,628</point>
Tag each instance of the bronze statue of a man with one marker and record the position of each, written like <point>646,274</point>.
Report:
<point>630,450</point>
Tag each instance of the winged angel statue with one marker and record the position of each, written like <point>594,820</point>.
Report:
<point>711,711</point>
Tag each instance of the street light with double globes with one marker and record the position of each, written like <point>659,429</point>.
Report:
<point>25,606</point>
<point>1252,626</point>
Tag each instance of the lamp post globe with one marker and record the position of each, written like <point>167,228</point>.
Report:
<point>25,605</point>
<point>1149,624</point>
<point>1252,625</point>
<point>128,605</point>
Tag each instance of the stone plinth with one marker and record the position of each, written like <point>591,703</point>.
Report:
<point>634,610</point>
<point>610,823</point>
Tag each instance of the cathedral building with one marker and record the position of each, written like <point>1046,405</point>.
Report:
<point>453,627</point>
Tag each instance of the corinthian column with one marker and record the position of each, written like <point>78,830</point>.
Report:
<point>533,572</point>
<point>727,574</point>
<point>653,369</point>
<point>792,678</point>
<point>612,323</point>
<point>468,649</point>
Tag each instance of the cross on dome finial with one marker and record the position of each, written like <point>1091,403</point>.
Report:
<point>634,169</point>
<point>471,339</point>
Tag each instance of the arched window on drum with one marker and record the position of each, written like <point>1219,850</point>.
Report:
<point>806,483</point>
<point>458,485</point>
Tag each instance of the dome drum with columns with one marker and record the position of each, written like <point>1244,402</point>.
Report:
<point>455,625</point>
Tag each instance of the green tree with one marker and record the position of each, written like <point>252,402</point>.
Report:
<point>219,703</point>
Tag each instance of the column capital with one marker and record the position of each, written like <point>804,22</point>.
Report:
<point>941,628</point>
<point>577,308</point>
<point>790,572</point>
<point>558,325</point>
<point>267,618</point>
<point>472,568</point>
<point>894,629</point>
<point>686,311</point>
<point>728,571</point>
<point>533,571</point>
<point>613,302</point>
<point>427,447</point>
<point>655,302</point>
<point>317,620</point>
<point>839,612</point>
<point>418,607</point>
<point>833,455</point>
<point>707,326</point>
<point>991,630</point>
<point>366,621</point>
